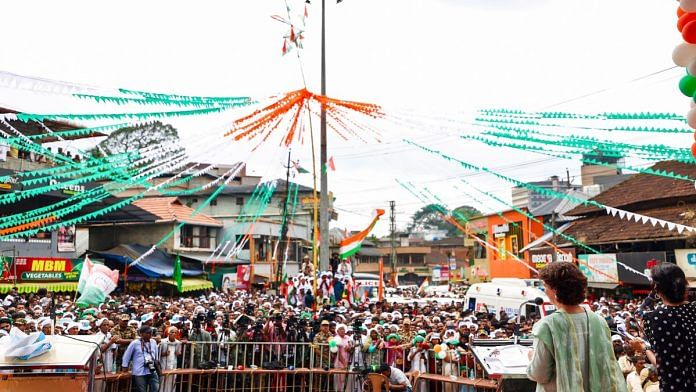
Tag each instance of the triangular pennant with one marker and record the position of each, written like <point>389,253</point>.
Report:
<point>662,223</point>
<point>671,225</point>
<point>636,217</point>
<point>680,228</point>
<point>622,214</point>
<point>644,219</point>
<point>653,221</point>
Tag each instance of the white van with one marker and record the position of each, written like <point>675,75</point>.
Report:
<point>368,283</point>
<point>507,294</point>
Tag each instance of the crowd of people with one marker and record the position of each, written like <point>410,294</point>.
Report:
<point>147,333</point>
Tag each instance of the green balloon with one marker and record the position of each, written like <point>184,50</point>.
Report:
<point>687,85</point>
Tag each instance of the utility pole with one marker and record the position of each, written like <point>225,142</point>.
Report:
<point>392,228</point>
<point>324,195</point>
<point>284,227</point>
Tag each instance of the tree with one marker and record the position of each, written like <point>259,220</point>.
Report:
<point>428,218</point>
<point>138,137</point>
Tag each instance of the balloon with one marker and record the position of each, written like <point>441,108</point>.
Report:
<point>441,355</point>
<point>333,349</point>
<point>332,343</point>
<point>372,348</point>
<point>240,367</point>
<point>680,12</point>
<point>693,150</point>
<point>684,19</point>
<point>444,347</point>
<point>691,118</point>
<point>437,349</point>
<point>687,85</point>
<point>688,5</point>
<point>689,32</point>
<point>684,54</point>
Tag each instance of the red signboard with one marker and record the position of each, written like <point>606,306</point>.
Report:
<point>44,268</point>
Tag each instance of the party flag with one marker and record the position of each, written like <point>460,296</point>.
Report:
<point>331,164</point>
<point>299,168</point>
<point>351,245</point>
<point>100,283</point>
<point>423,286</point>
<point>85,272</point>
<point>177,274</point>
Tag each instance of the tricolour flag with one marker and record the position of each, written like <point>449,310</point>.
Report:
<point>299,168</point>
<point>423,286</point>
<point>100,283</point>
<point>85,272</point>
<point>351,245</point>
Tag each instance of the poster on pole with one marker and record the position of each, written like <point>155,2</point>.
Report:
<point>66,239</point>
<point>243,277</point>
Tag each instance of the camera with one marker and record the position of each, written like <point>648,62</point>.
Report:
<point>150,365</point>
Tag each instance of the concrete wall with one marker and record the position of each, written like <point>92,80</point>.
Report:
<point>47,247</point>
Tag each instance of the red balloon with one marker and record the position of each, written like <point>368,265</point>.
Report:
<point>693,150</point>
<point>240,367</point>
<point>680,12</point>
<point>684,19</point>
<point>689,32</point>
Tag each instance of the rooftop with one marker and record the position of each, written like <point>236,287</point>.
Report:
<point>605,228</point>
<point>170,209</point>
<point>646,190</point>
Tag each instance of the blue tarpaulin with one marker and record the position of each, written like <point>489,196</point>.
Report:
<point>158,264</point>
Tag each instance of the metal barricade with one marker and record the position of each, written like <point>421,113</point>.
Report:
<point>283,366</point>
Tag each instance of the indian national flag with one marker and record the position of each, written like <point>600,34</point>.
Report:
<point>423,286</point>
<point>351,245</point>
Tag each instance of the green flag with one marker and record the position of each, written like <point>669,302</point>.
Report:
<point>177,274</point>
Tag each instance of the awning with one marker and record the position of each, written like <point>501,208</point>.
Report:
<point>545,238</point>
<point>606,286</point>
<point>157,264</point>
<point>25,288</point>
<point>190,284</point>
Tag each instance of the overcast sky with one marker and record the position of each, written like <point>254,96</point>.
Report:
<point>437,57</point>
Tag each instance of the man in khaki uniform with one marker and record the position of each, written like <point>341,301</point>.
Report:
<point>124,331</point>
<point>322,354</point>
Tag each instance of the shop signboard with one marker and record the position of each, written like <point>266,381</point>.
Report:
<point>435,274</point>
<point>444,273</point>
<point>542,256</point>
<point>686,260</point>
<point>599,268</point>
<point>638,261</point>
<point>500,231</point>
<point>46,269</point>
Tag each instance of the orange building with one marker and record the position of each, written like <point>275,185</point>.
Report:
<point>509,235</point>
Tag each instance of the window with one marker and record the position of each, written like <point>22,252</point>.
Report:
<point>239,201</point>
<point>198,237</point>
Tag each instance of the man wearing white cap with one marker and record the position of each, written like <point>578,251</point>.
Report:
<point>107,345</point>
<point>73,328</point>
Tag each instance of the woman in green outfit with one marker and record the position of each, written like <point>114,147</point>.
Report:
<point>572,346</point>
